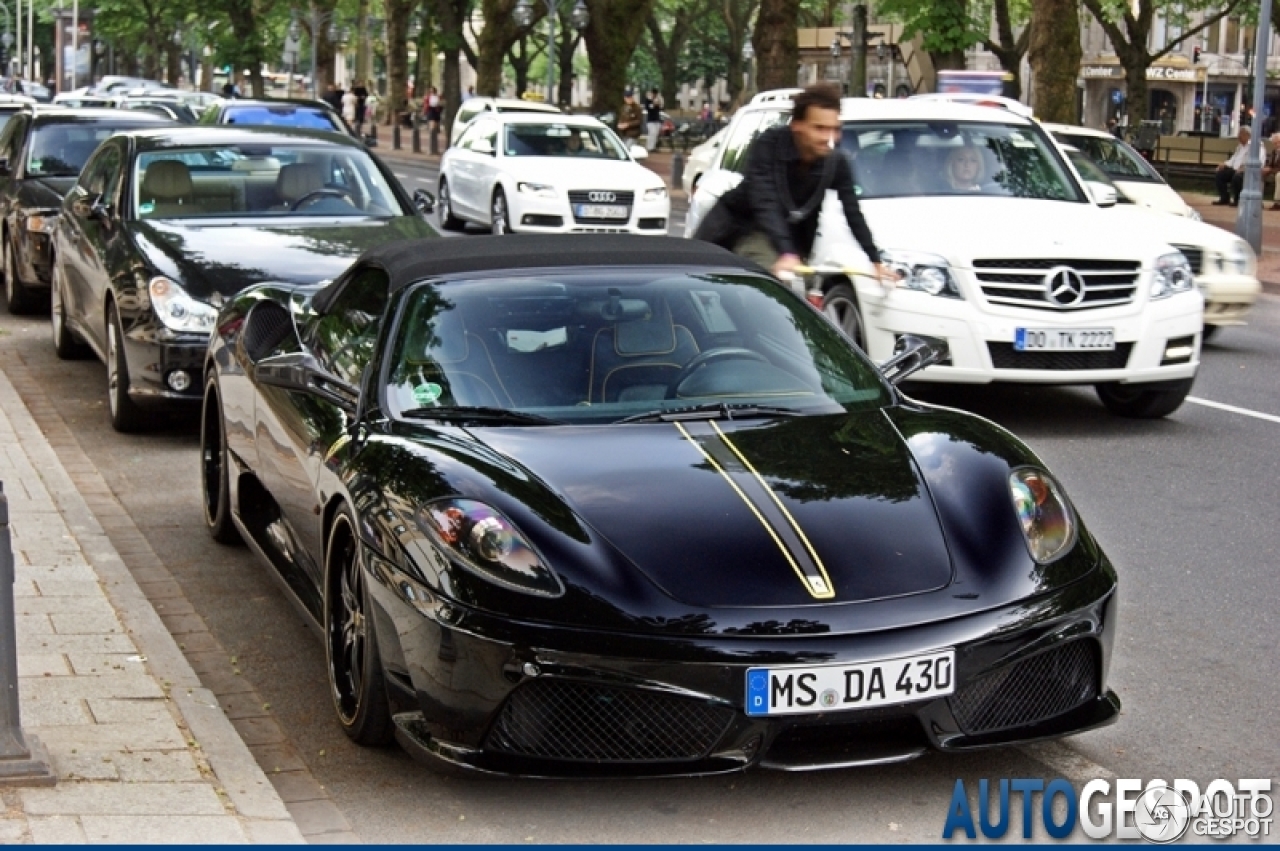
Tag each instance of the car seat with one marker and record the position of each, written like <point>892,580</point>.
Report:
<point>447,354</point>
<point>637,358</point>
<point>166,190</point>
<point>296,181</point>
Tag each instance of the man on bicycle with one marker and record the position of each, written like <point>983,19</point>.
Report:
<point>772,216</point>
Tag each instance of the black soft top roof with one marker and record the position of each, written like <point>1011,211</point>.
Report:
<point>410,261</point>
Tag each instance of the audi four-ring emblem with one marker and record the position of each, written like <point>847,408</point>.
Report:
<point>602,197</point>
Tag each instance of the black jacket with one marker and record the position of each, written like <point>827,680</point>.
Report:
<point>782,198</point>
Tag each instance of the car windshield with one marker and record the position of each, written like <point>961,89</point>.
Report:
<point>895,159</point>
<point>1112,156</point>
<point>311,117</point>
<point>561,140</point>
<point>586,347</point>
<point>261,180</point>
<point>61,150</point>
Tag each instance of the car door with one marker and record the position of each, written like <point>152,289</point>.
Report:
<point>478,153</point>
<point>11,139</point>
<point>295,431</point>
<point>98,248</point>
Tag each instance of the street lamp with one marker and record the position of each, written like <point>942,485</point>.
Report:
<point>578,18</point>
<point>748,53</point>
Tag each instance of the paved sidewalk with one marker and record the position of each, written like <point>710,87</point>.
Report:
<point>143,752</point>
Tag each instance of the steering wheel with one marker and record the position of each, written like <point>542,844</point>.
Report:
<point>707,357</point>
<point>324,192</point>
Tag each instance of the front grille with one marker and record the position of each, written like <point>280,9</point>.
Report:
<point>1195,256</point>
<point>1005,356</point>
<point>1022,282</point>
<point>583,196</point>
<point>1035,689</point>
<point>580,722</point>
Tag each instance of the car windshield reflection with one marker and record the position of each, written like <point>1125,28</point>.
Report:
<point>560,140</point>
<point>582,347</point>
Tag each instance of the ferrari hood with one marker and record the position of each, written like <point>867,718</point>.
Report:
<point>224,256</point>
<point>751,514</point>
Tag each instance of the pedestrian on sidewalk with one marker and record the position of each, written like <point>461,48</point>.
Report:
<point>362,104</point>
<point>349,103</point>
<point>652,119</point>
<point>1271,169</point>
<point>631,117</point>
<point>1229,176</point>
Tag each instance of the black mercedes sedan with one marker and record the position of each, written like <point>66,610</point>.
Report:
<point>42,150</point>
<point>616,506</point>
<point>163,226</point>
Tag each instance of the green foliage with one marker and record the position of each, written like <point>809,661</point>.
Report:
<point>944,26</point>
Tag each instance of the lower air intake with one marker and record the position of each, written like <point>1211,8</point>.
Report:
<point>566,720</point>
<point>1035,689</point>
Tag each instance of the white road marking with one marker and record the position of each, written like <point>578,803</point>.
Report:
<point>424,180</point>
<point>1066,762</point>
<point>1271,418</point>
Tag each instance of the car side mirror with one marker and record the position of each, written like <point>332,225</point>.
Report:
<point>639,152</point>
<point>912,354</point>
<point>483,146</point>
<point>1104,195</point>
<point>424,201</point>
<point>300,372</point>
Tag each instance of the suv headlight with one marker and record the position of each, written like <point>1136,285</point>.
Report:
<point>655,194</point>
<point>1239,259</point>
<point>488,545</point>
<point>179,311</point>
<point>42,221</point>
<point>1043,512</point>
<point>930,273</point>
<point>541,190</point>
<point>1172,275</point>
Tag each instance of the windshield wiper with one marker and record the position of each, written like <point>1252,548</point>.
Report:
<point>711,411</point>
<point>477,413</point>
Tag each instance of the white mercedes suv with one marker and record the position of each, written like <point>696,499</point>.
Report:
<point>1015,267</point>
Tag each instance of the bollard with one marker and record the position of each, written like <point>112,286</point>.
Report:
<point>677,169</point>
<point>373,131</point>
<point>417,134</point>
<point>435,138</point>
<point>22,759</point>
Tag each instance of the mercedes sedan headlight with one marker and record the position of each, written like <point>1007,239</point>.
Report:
<point>919,270</point>
<point>1046,519</point>
<point>1239,259</point>
<point>541,190</point>
<point>655,194</point>
<point>484,542</point>
<point>1172,275</point>
<point>179,311</point>
<point>42,221</point>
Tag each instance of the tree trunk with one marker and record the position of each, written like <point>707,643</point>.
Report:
<point>424,76</point>
<point>1008,49</point>
<point>1055,53</point>
<point>568,39</point>
<point>397,12</point>
<point>364,56</point>
<point>520,58</point>
<point>612,35</point>
<point>667,49</point>
<point>1135,80</point>
<point>777,51</point>
<point>493,42</point>
<point>452,87</point>
<point>173,65</point>
<point>451,16</point>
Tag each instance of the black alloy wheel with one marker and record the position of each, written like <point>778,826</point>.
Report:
<point>355,671</point>
<point>214,473</point>
<point>65,342</point>
<point>501,224</point>
<point>1149,401</point>
<point>448,220</point>
<point>125,414</point>
<point>841,306</point>
<point>17,298</point>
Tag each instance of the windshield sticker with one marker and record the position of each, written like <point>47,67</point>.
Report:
<point>427,394</point>
<point>146,207</point>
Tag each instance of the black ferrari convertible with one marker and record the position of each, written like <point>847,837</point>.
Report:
<point>618,506</point>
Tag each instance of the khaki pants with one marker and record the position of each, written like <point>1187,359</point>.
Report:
<point>757,248</point>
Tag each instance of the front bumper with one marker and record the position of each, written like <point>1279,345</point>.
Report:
<point>156,356</point>
<point>980,336</point>
<point>1227,298</point>
<point>534,214</point>
<point>489,695</point>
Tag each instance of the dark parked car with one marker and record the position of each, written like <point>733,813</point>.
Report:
<point>279,112</point>
<point>168,107</point>
<point>164,225</point>
<point>41,153</point>
<point>617,506</point>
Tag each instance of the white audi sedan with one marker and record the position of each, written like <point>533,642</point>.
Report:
<point>549,174</point>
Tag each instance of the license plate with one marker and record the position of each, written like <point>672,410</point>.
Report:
<point>830,688</point>
<point>1058,340</point>
<point>601,211</point>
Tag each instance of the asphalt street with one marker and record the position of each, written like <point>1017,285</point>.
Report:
<point>1186,507</point>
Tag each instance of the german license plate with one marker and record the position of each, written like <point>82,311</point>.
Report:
<point>1059,340</point>
<point>601,211</point>
<point>830,688</point>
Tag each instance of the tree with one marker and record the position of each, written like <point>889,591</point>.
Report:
<point>737,17</point>
<point>520,55</point>
<point>946,27</point>
<point>451,16</point>
<point>1055,54</point>
<point>1128,25</point>
<point>397,12</point>
<point>611,36</point>
<point>1007,47</point>
<point>776,45</point>
<point>500,32</point>
<point>669,27</point>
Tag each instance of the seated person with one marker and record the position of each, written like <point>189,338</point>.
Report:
<point>572,145</point>
<point>964,169</point>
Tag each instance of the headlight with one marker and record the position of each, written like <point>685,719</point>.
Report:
<point>1194,215</point>
<point>179,311</point>
<point>41,222</point>
<point>541,190</point>
<point>655,194</point>
<point>1239,259</point>
<point>1046,518</point>
<point>1172,275</point>
<point>928,273</point>
<point>487,544</point>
